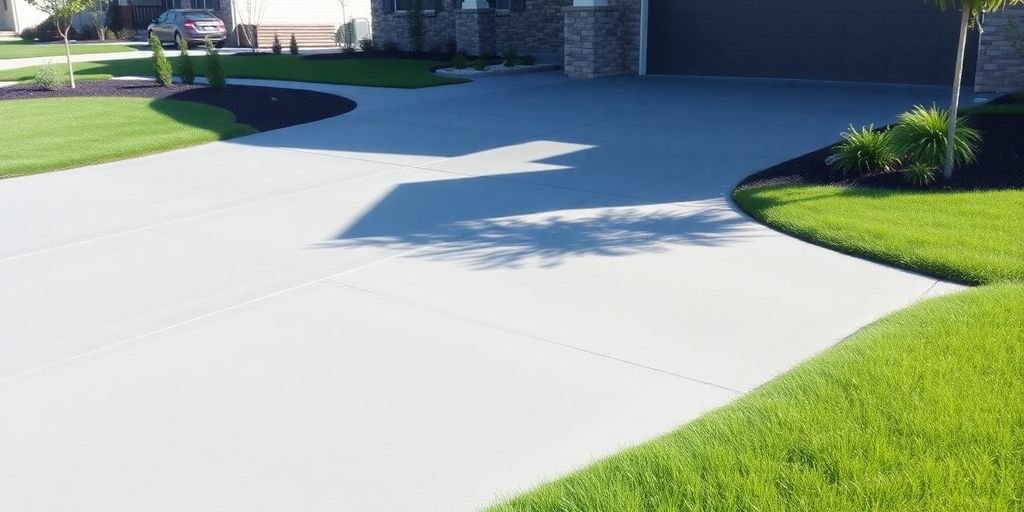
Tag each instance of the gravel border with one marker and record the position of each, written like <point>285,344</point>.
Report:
<point>496,70</point>
<point>263,108</point>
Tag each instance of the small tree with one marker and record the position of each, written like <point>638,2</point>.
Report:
<point>62,11</point>
<point>970,9</point>
<point>293,46</point>
<point>214,67</point>
<point>276,47</point>
<point>249,15</point>
<point>99,12</point>
<point>186,69</point>
<point>161,66</point>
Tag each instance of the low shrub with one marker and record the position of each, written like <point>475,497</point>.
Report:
<point>109,34</point>
<point>921,136</point>
<point>348,50</point>
<point>488,56</point>
<point>367,44</point>
<point>47,31</point>
<point>214,67</point>
<point>293,46</point>
<point>510,57</point>
<point>920,175</point>
<point>390,47</point>
<point>863,151</point>
<point>186,68</point>
<point>28,33</point>
<point>51,77</point>
<point>459,61</point>
<point>161,66</point>
<point>528,60</point>
<point>126,34</point>
<point>480,64</point>
<point>276,47</point>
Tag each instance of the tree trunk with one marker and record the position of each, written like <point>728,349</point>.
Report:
<point>67,54</point>
<point>958,75</point>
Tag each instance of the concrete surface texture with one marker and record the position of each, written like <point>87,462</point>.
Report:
<point>440,299</point>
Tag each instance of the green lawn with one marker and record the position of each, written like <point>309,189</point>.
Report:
<point>61,133</point>
<point>923,410</point>
<point>400,73</point>
<point>969,237</point>
<point>23,49</point>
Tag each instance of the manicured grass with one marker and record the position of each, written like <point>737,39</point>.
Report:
<point>970,237</point>
<point>61,133</point>
<point>400,73</point>
<point>24,49</point>
<point>923,410</point>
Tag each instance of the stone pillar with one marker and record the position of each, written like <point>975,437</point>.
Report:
<point>474,30</point>
<point>593,40</point>
<point>1001,52</point>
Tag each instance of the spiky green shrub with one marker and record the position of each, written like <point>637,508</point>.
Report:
<point>214,67</point>
<point>863,151</point>
<point>186,69</point>
<point>161,66</point>
<point>276,47</point>
<point>921,136</point>
<point>920,175</point>
<point>293,46</point>
<point>480,64</point>
<point>510,57</point>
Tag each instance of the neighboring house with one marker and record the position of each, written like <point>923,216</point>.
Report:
<point>17,15</point>
<point>893,41</point>
<point>315,23</point>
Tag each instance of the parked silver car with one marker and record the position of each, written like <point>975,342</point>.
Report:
<point>191,26</point>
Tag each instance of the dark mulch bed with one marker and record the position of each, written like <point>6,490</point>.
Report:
<point>380,55</point>
<point>263,108</point>
<point>1000,162</point>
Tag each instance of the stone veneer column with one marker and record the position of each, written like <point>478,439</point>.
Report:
<point>1000,59</point>
<point>475,27</point>
<point>593,41</point>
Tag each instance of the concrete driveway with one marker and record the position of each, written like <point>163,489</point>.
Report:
<point>437,300</point>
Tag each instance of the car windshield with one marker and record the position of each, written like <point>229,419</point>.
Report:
<point>198,15</point>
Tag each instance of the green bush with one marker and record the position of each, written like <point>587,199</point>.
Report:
<point>921,137</point>
<point>367,44</point>
<point>126,34</point>
<point>459,61</point>
<point>863,151</point>
<point>480,64</point>
<point>511,58</point>
<point>528,60</point>
<point>161,66</point>
<point>920,175</point>
<point>390,47</point>
<point>28,33</point>
<point>186,68</point>
<point>293,46</point>
<point>109,34</point>
<point>214,67</point>
<point>276,47</point>
<point>51,78</point>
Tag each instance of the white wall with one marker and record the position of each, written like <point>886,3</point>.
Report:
<point>314,12</point>
<point>26,15</point>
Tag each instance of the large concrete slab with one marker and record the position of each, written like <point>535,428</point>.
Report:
<point>439,299</point>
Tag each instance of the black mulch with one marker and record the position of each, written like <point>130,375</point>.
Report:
<point>1000,162</point>
<point>263,108</point>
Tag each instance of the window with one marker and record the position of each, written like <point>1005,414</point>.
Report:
<point>502,5</point>
<point>212,5</point>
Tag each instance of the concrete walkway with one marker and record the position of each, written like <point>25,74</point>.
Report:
<point>444,297</point>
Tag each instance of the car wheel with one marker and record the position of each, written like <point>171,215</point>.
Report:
<point>178,40</point>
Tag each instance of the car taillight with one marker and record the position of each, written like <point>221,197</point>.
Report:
<point>190,25</point>
<point>220,23</point>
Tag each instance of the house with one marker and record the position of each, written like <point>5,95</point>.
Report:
<point>16,15</point>
<point>315,23</point>
<point>889,41</point>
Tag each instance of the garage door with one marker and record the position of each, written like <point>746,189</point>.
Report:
<point>897,41</point>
